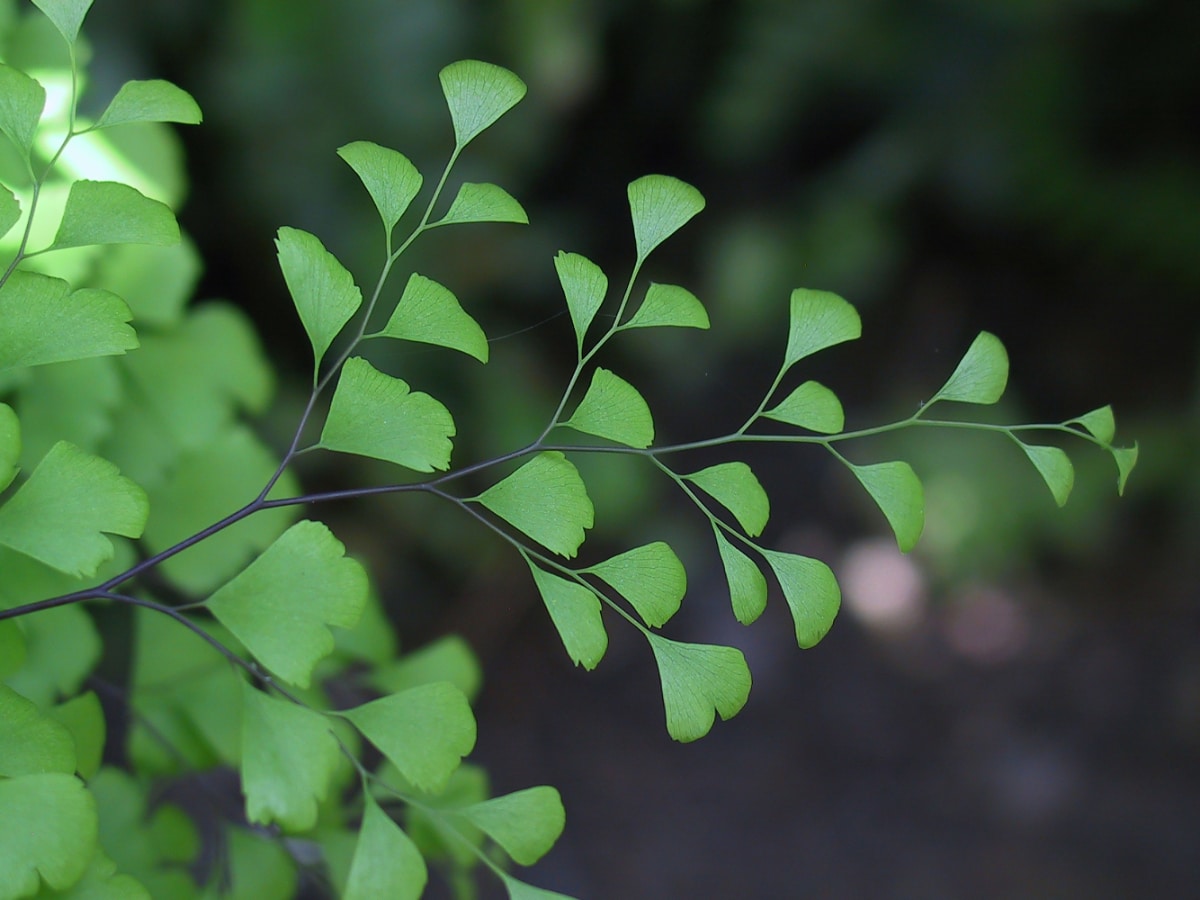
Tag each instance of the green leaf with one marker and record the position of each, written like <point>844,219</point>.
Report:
<point>47,828</point>
<point>12,648</point>
<point>67,15</point>
<point>584,285</point>
<point>575,611</point>
<point>323,291</point>
<point>289,756</point>
<point>734,486</point>
<point>811,591</point>
<point>260,867</point>
<point>660,205</point>
<point>10,209</point>
<point>612,408</point>
<point>150,101</point>
<point>1126,459</point>
<point>100,881</point>
<point>478,94</point>
<point>699,681</point>
<point>72,401</point>
<point>483,203</point>
<point>447,659</point>
<point>428,312</point>
<point>747,585</point>
<point>10,445</point>
<point>108,212</point>
<point>46,322</point>
<point>669,304</point>
<point>21,102</point>
<point>424,731</point>
<point>280,606</point>
<point>525,823</point>
<point>61,514</point>
<point>812,406</point>
<point>650,577</point>
<point>389,177</point>
<point>83,717</point>
<point>373,414</point>
<point>894,486</point>
<point>386,862</point>
<point>547,500</point>
<point>61,648</point>
<point>818,319</point>
<point>981,375</point>
<point>31,743</point>
<point>1055,468</point>
<point>1100,423</point>
<point>519,890</point>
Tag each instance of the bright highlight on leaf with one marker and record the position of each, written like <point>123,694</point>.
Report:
<point>584,285</point>
<point>376,415</point>
<point>575,611</point>
<point>65,817</point>
<point>699,681</point>
<point>547,500</point>
<point>483,203</point>
<point>897,491</point>
<point>660,206</point>
<point>524,823</point>
<point>650,577</point>
<point>747,585</point>
<point>61,514</point>
<point>735,487</point>
<point>811,591</point>
<point>150,101</point>
<point>1099,423</point>
<point>669,304</point>
<point>812,406</point>
<point>282,604</point>
<point>428,312</point>
<point>108,212</point>
<point>386,861</point>
<point>21,102</point>
<point>389,177</point>
<point>478,94</point>
<point>67,15</point>
<point>1055,468</point>
<point>818,319</point>
<point>323,291</point>
<point>981,375</point>
<point>612,408</point>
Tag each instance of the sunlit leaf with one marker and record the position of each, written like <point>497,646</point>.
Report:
<point>547,500</point>
<point>67,15</point>
<point>323,291</point>
<point>478,94</point>
<point>894,486</point>
<point>734,486</point>
<point>21,102</point>
<point>83,717</point>
<point>108,212</point>
<point>428,312</point>
<point>150,101</point>
<point>1126,459</point>
<point>389,177</point>
<point>72,499</point>
<point>660,205</point>
<point>31,742</point>
<point>584,285</point>
<point>1100,423</point>
<point>524,823</point>
<point>47,828</point>
<point>699,681</point>
<point>818,319</point>
<point>10,444</point>
<point>811,591</point>
<point>289,756</point>
<point>981,375</point>
<point>373,414</point>
<point>424,731</point>
<point>519,890</point>
<point>650,577</point>
<point>812,406</point>
<point>45,322</point>
<point>669,304</point>
<point>483,203</point>
<point>282,604</point>
<point>747,585</point>
<point>10,209</point>
<point>612,408</point>
<point>1055,468</point>
<point>575,611</point>
<point>386,862</point>
<point>447,659</point>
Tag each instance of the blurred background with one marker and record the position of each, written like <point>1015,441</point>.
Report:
<point>1013,710</point>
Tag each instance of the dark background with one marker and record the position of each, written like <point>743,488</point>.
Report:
<point>1012,711</point>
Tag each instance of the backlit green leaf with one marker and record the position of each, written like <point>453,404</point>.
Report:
<point>660,205</point>
<point>83,717</point>
<point>734,486</point>
<point>669,304</point>
<point>156,282</point>
<point>386,862</point>
<point>525,823</point>
<point>584,285</point>
<point>108,212</point>
<point>373,414</point>
<point>1126,459</point>
<point>323,291</point>
<point>650,577</point>
<point>747,585</point>
<point>818,319</point>
<point>67,15</point>
<point>894,486</point>
<point>699,681</point>
<point>575,611</point>
<point>47,828</point>
<point>430,313</point>
<point>389,177</point>
<point>282,604</point>
<point>981,375</point>
<point>12,648</point>
<point>31,743</point>
<point>1100,423</point>
<point>46,322</point>
<point>1055,468</point>
<point>519,890</point>
<point>483,203</point>
<point>289,756</point>
<point>547,500</point>
<point>811,591</point>
<point>21,102</point>
<point>10,445</point>
<point>424,731</point>
<point>150,101</point>
<point>478,94</point>
<point>10,209</point>
<point>612,408</point>
<point>61,514</point>
<point>812,406</point>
